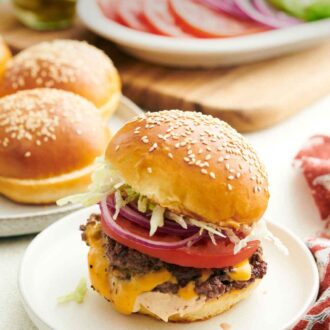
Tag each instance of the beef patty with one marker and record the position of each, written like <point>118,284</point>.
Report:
<point>129,262</point>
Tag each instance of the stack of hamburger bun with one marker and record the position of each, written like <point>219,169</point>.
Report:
<point>70,65</point>
<point>55,99</point>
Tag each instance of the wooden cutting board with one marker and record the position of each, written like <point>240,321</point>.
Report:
<point>249,97</point>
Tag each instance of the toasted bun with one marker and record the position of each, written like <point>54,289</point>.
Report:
<point>193,164</point>
<point>212,307</point>
<point>70,65</point>
<point>5,55</point>
<point>49,140</point>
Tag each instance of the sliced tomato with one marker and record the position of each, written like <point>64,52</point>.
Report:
<point>203,21</point>
<point>130,14</point>
<point>200,255</point>
<point>158,15</point>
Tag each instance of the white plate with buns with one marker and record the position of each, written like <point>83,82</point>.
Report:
<point>203,53</point>
<point>20,219</point>
<point>56,261</point>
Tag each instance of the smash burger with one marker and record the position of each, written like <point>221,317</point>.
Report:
<point>177,237</point>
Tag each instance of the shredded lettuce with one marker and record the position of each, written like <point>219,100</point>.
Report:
<point>260,231</point>
<point>207,226</point>
<point>119,203</point>
<point>212,238</point>
<point>105,180</point>
<point>157,219</point>
<point>78,295</point>
<point>142,204</point>
<point>179,219</point>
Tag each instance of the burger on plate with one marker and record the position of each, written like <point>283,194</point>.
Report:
<point>177,237</point>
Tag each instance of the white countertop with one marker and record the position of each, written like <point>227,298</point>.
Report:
<point>291,203</point>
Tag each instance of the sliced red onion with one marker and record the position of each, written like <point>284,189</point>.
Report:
<point>271,20</point>
<point>226,6</point>
<point>115,227</point>
<point>170,227</point>
<point>268,10</point>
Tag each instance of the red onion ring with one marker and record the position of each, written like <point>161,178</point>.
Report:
<point>273,20</point>
<point>115,227</point>
<point>225,6</point>
<point>170,227</point>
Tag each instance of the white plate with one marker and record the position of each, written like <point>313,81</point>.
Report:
<point>56,260</point>
<point>202,52</point>
<point>18,219</point>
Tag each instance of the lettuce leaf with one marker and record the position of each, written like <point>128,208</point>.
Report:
<point>309,10</point>
<point>157,219</point>
<point>78,295</point>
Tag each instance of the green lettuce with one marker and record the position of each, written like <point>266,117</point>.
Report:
<point>78,295</point>
<point>309,10</point>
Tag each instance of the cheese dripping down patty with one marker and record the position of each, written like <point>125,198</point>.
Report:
<point>128,296</point>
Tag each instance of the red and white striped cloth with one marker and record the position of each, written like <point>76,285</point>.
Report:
<point>314,160</point>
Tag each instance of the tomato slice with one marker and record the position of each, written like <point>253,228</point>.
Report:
<point>200,255</point>
<point>130,14</point>
<point>158,15</point>
<point>203,21</point>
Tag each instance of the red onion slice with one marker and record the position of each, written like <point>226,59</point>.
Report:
<point>226,6</point>
<point>271,20</point>
<point>267,10</point>
<point>115,227</point>
<point>170,227</point>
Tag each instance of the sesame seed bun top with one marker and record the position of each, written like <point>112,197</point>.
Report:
<point>47,132</point>
<point>70,65</point>
<point>5,55</point>
<point>193,164</point>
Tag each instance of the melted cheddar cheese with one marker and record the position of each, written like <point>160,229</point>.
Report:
<point>98,264</point>
<point>187,292</point>
<point>124,293</point>
<point>241,271</point>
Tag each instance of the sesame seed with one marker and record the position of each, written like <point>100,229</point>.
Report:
<point>212,175</point>
<point>149,170</point>
<point>145,139</point>
<point>27,154</point>
<point>230,177</point>
<point>229,187</point>
<point>200,133</point>
<point>117,148</point>
<point>204,171</point>
<point>153,147</point>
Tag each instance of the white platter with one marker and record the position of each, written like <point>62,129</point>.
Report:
<point>202,52</point>
<point>56,260</point>
<point>18,219</point>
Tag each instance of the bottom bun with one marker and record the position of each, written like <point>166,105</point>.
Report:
<point>109,108</point>
<point>210,307</point>
<point>46,191</point>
